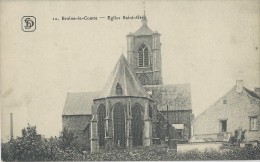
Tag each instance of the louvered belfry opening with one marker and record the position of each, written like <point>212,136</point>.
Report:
<point>137,125</point>
<point>119,125</point>
<point>101,125</point>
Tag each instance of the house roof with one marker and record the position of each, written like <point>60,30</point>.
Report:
<point>252,93</point>
<point>176,96</point>
<point>123,75</point>
<point>144,29</point>
<point>79,103</point>
<point>233,89</point>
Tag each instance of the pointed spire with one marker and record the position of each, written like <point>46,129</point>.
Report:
<point>144,29</point>
<point>144,19</point>
<point>144,9</point>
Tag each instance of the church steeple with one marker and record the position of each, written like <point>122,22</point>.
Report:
<point>144,29</point>
<point>144,19</point>
<point>144,54</point>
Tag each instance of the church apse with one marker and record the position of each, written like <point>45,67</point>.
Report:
<point>121,111</point>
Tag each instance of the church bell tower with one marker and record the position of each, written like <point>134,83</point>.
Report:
<point>144,54</point>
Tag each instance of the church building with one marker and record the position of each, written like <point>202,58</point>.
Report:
<point>134,105</point>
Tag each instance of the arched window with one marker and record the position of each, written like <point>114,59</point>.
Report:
<point>101,125</point>
<point>119,125</point>
<point>137,125</point>
<point>119,90</point>
<point>143,59</point>
<point>144,80</point>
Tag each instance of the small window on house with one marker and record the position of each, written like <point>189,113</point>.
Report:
<point>224,100</point>
<point>253,123</point>
<point>223,125</point>
<point>119,90</point>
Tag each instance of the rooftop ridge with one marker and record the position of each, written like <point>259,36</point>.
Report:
<point>164,85</point>
<point>83,92</point>
<point>123,75</point>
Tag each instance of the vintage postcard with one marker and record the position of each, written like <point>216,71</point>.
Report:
<point>130,80</point>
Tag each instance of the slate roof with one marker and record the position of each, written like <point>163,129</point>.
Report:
<point>123,75</point>
<point>176,96</point>
<point>79,103</point>
<point>144,29</point>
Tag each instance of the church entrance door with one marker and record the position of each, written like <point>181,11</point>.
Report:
<point>119,125</point>
<point>137,125</point>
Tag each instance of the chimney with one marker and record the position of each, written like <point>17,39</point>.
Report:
<point>239,86</point>
<point>11,126</point>
<point>257,90</point>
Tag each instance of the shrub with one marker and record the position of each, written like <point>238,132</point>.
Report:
<point>235,139</point>
<point>32,147</point>
<point>154,154</point>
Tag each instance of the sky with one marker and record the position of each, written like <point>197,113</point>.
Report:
<point>209,44</point>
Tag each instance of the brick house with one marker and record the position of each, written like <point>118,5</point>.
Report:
<point>238,109</point>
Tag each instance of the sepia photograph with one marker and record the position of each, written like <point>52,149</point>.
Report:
<point>130,80</point>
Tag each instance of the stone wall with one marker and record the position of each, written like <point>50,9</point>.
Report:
<point>78,124</point>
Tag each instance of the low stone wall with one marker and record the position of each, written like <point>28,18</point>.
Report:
<point>200,146</point>
<point>215,137</point>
